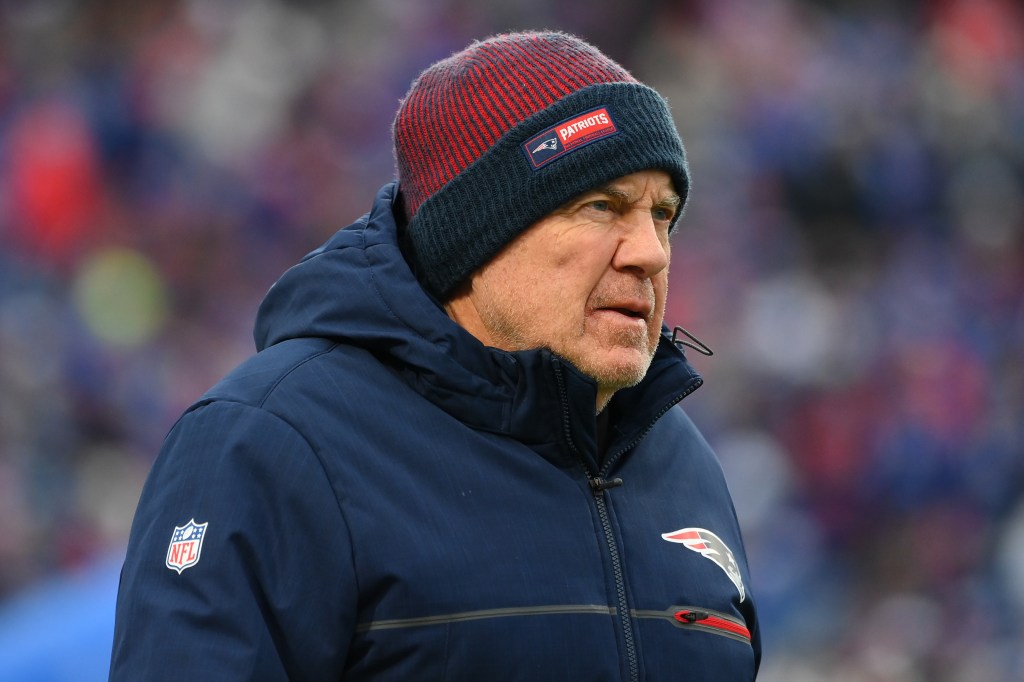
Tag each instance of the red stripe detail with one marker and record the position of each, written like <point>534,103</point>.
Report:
<point>581,73</point>
<point>522,101</point>
<point>439,144</point>
<point>462,147</point>
<point>707,620</point>
<point>425,173</point>
<point>571,65</point>
<point>483,87</point>
<point>512,100</point>
<point>453,135</point>
<point>534,74</point>
<point>430,170</point>
<point>482,116</point>
<point>464,109</point>
<point>526,99</point>
<point>425,110</point>
<point>580,65</point>
<point>540,76</point>
<point>406,164</point>
<point>681,537</point>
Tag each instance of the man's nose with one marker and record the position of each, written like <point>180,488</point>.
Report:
<point>643,247</point>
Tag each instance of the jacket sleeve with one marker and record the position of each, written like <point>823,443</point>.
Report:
<point>238,565</point>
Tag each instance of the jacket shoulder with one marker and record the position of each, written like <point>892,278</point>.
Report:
<point>312,384</point>
<point>676,427</point>
<point>263,506</point>
<point>254,380</point>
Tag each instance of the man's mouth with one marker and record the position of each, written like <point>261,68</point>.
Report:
<point>632,303</point>
<point>628,312</point>
<point>636,308</point>
<point>625,315</point>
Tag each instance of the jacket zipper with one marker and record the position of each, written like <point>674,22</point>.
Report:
<point>703,619</point>
<point>598,485</point>
<point>620,580</point>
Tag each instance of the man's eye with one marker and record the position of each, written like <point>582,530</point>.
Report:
<point>663,214</point>
<point>600,205</point>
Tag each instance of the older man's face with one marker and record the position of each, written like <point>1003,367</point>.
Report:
<point>588,281</point>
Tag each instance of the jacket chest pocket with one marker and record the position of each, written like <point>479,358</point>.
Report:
<point>713,622</point>
<point>700,619</point>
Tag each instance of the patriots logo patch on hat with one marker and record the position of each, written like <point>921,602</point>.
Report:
<point>569,135</point>
<point>186,545</point>
<point>711,547</point>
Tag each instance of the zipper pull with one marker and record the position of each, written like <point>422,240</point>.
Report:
<point>691,616</point>
<point>599,485</point>
<point>712,621</point>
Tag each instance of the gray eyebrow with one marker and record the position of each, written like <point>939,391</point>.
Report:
<point>671,200</point>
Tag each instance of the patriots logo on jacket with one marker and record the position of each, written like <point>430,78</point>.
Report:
<point>711,547</point>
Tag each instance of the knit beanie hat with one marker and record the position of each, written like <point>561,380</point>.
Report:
<point>499,135</point>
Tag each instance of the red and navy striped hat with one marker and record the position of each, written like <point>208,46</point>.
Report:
<point>497,136</point>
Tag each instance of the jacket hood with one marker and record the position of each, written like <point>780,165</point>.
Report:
<point>358,289</point>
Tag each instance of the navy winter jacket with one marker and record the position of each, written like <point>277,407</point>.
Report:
<point>376,495</point>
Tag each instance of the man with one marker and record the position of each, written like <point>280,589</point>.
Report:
<point>457,454</point>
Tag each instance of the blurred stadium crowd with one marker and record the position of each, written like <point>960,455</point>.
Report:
<point>853,251</point>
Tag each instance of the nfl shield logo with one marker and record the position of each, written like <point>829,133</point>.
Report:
<point>186,544</point>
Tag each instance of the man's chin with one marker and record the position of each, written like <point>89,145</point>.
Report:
<point>621,368</point>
